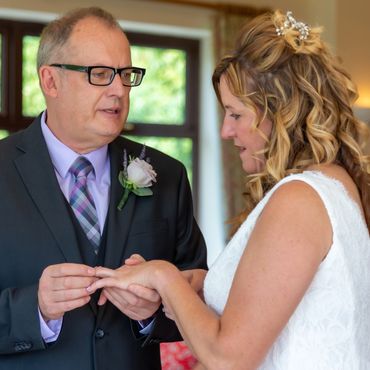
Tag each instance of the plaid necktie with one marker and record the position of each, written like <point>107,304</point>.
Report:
<point>82,202</point>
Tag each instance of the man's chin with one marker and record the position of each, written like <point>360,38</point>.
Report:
<point>112,129</point>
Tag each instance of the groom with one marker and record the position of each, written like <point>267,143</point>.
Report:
<point>58,217</point>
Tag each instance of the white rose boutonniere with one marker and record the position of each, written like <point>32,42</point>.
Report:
<point>136,177</point>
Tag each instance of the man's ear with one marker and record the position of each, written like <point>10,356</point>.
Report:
<point>49,81</point>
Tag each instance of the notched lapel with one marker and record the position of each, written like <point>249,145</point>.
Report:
<point>119,222</point>
<point>37,172</point>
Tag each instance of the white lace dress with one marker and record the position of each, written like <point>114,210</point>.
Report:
<point>330,329</point>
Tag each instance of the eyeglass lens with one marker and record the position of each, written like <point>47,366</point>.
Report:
<point>104,76</point>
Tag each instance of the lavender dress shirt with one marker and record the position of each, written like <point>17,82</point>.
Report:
<point>98,183</point>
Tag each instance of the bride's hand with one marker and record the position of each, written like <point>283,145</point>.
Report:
<point>138,290</point>
<point>143,273</point>
<point>127,288</point>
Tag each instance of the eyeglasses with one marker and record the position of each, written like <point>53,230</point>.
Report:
<point>104,76</point>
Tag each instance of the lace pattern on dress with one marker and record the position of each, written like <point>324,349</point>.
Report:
<point>330,328</point>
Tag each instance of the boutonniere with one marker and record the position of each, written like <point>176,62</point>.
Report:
<point>137,176</point>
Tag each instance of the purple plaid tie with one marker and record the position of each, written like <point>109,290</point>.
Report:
<point>82,202</point>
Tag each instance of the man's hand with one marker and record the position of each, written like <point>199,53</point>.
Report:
<point>62,288</point>
<point>137,302</point>
<point>195,278</point>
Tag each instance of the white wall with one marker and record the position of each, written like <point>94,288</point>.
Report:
<point>353,36</point>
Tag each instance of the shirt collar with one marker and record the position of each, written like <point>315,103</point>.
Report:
<point>62,156</point>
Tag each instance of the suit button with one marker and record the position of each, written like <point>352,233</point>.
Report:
<point>99,333</point>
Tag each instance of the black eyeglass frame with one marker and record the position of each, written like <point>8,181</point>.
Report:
<point>88,69</point>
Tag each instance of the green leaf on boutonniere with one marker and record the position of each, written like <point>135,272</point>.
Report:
<point>136,177</point>
<point>142,192</point>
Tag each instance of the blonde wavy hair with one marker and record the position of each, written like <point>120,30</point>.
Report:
<point>300,86</point>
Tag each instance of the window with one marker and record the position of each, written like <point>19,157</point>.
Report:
<point>164,108</point>
<point>32,98</point>
<point>13,40</point>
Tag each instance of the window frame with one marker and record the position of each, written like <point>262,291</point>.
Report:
<point>11,117</point>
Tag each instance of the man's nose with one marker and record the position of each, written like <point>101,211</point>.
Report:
<point>117,86</point>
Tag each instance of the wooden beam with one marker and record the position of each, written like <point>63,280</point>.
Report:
<point>220,7</point>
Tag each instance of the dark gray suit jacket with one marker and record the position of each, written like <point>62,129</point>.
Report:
<point>36,230</point>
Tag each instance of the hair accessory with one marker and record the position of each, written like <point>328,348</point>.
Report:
<point>289,23</point>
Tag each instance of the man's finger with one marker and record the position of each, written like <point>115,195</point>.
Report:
<point>134,259</point>
<point>69,269</point>
<point>72,282</point>
<point>102,298</point>
<point>68,295</point>
<point>144,293</point>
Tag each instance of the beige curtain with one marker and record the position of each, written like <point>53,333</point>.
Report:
<point>226,29</point>
<point>228,19</point>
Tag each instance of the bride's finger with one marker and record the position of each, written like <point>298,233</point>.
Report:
<point>103,272</point>
<point>105,282</point>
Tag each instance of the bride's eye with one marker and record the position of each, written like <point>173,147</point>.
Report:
<point>235,116</point>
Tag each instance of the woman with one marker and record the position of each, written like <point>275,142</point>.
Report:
<point>291,290</point>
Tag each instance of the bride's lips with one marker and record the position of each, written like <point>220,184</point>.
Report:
<point>240,148</point>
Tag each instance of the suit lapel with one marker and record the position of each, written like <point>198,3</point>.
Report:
<point>35,168</point>
<point>119,222</point>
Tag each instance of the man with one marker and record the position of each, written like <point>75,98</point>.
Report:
<point>57,222</point>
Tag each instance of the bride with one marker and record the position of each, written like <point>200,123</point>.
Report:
<point>291,289</point>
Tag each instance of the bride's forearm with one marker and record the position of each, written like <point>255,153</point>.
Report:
<point>198,324</point>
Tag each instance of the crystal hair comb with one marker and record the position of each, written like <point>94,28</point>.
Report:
<point>289,23</point>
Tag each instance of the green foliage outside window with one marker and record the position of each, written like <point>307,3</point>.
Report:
<point>161,96</point>
<point>32,99</point>
<point>3,133</point>
<point>179,148</point>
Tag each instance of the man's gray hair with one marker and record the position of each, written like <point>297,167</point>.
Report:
<point>56,34</point>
